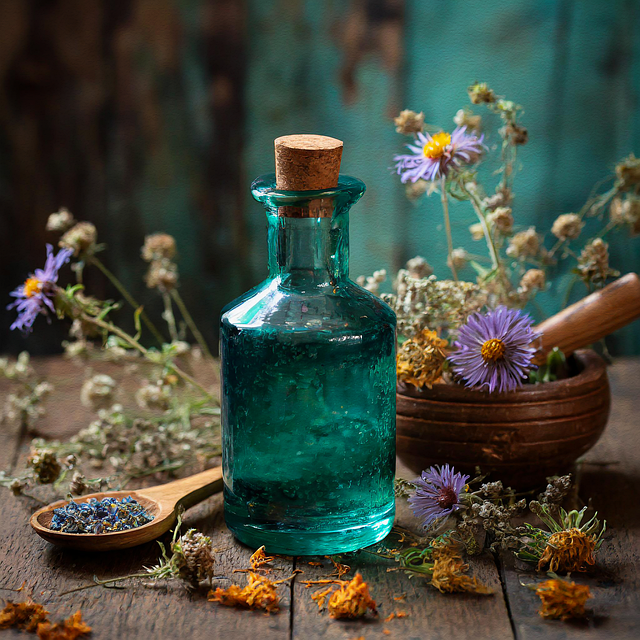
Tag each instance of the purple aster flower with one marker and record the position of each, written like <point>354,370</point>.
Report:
<point>437,493</point>
<point>494,350</point>
<point>34,296</point>
<point>433,156</point>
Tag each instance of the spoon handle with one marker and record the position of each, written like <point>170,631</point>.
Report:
<point>186,492</point>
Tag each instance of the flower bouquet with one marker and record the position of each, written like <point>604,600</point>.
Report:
<point>470,391</point>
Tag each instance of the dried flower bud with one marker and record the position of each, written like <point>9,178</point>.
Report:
<point>464,118</point>
<point>567,226</point>
<point>502,219</point>
<point>78,485</point>
<point>480,92</point>
<point>194,556</point>
<point>476,231</point>
<point>158,246</point>
<point>409,122</point>
<point>154,396</point>
<point>60,221</point>
<point>458,258</point>
<point>628,171</point>
<point>97,392</point>
<point>531,280</point>
<point>45,465</point>
<point>80,238</point>
<point>418,267</point>
<point>415,190</point>
<point>516,134</point>
<point>162,274</point>
<point>593,262</point>
<point>501,198</point>
<point>626,212</point>
<point>524,244</point>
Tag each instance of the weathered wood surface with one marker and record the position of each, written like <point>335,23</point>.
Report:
<point>611,477</point>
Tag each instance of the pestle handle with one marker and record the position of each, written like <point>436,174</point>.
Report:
<point>591,318</point>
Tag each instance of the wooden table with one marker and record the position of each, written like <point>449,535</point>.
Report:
<point>610,477</point>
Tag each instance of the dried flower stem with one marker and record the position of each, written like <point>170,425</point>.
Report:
<point>477,207</point>
<point>127,296</point>
<point>447,225</point>
<point>177,298</point>
<point>109,326</point>
<point>169,317</point>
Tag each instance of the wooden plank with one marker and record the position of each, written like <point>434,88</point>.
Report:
<point>609,479</point>
<point>166,611</point>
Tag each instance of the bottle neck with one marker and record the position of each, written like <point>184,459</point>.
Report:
<point>308,250</point>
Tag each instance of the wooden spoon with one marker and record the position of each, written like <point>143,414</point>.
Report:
<point>162,502</point>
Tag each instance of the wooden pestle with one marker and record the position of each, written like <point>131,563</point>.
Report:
<point>591,318</point>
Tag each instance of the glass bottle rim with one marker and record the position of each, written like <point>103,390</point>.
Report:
<point>263,189</point>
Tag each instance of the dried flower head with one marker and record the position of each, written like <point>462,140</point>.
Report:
<point>97,392</point>
<point>626,212</point>
<point>418,267</point>
<point>449,574</point>
<point>78,484</point>
<point>524,244</point>
<point>438,492</point>
<point>434,156</point>
<point>571,550</point>
<point>158,246</point>
<point>259,593</point>
<point>562,599</point>
<point>628,171</point>
<point>81,238</point>
<point>421,358</point>
<point>60,221</point>
<point>476,231</point>
<point>593,263</point>
<point>372,283</point>
<point>22,615</point>
<point>194,556</point>
<point>162,274</point>
<point>501,198</point>
<point>567,226</point>
<point>458,258</point>
<point>259,558</point>
<point>415,190</point>
<point>501,219</point>
<point>70,629</point>
<point>36,295</point>
<point>409,122</point>
<point>154,396</point>
<point>494,350</point>
<point>516,134</point>
<point>352,600</point>
<point>533,279</point>
<point>480,92</point>
<point>464,118</point>
<point>45,466</point>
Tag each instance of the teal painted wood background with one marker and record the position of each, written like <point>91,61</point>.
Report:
<point>148,115</point>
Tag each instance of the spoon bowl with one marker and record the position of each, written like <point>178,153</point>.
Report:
<point>162,502</point>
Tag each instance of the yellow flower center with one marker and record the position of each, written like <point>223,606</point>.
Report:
<point>438,144</point>
<point>493,349</point>
<point>31,287</point>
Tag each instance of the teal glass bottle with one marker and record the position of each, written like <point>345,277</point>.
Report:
<point>308,388</point>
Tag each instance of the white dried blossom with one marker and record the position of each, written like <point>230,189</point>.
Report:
<point>154,396</point>
<point>98,391</point>
<point>60,221</point>
<point>464,118</point>
<point>458,258</point>
<point>567,226</point>
<point>75,348</point>
<point>409,122</point>
<point>418,267</point>
<point>524,244</point>
<point>372,283</point>
<point>501,219</point>
<point>476,231</point>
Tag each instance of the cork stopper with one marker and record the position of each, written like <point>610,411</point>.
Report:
<point>306,162</point>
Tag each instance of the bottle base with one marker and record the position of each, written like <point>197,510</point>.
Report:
<point>298,542</point>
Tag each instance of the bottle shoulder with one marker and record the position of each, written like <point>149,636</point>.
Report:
<point>343,307</point>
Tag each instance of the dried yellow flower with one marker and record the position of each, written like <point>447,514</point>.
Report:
<point>259,558</point>
<point>70,629</point>
<point>260,593</point>
<point>450,572</point>
<point>352,600</point>
<point>571,550</point>
<point>22,615</point>
<point>562,599</point>
<point>420,360</point>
